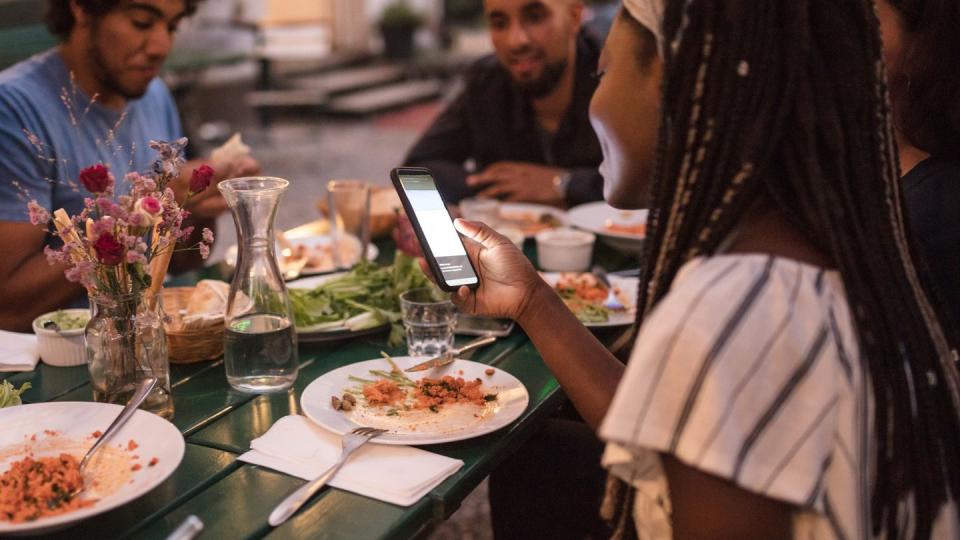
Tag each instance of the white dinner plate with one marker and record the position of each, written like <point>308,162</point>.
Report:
<point>335,331</point>
<point>629,286</point>
<point>527,212</point>
<point>47,429</point>
<point>230,257</point>
<point>451,423</point>
<point>596,216</point>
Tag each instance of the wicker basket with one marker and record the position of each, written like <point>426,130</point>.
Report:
<point>189,346</point>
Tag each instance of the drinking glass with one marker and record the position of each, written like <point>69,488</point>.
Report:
<point>481,209</point>
<point>260,343</point>
<point>348,202</point>
<point>429,320</point>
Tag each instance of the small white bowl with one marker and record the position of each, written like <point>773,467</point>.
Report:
<point>514,234</point>
<point>64,348</point>
<point>564,250</point>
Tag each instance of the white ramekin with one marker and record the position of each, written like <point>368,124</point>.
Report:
<point>64,348</point>
<point>564,250</point>
<point>514,234</point>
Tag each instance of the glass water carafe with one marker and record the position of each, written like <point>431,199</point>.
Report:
<point>260,342</point>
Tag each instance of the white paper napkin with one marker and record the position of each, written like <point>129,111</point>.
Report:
<point>399,475</point>
<point>18,352</point>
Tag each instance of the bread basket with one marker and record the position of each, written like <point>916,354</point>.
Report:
<point>193,345</point>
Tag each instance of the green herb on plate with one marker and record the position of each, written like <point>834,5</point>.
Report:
<point>365,297</point>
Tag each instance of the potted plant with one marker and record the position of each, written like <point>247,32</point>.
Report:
<point>398,23</point>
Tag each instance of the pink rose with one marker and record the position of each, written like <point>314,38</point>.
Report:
<point>151,205</point>
<point>109,250</point>
<point>200,179</point>
<point>96,179</point>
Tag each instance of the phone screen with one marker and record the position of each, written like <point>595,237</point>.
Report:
<point>437,229</point>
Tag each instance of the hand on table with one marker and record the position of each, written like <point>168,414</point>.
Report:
<point>517,181</point>
<point>507,279</point>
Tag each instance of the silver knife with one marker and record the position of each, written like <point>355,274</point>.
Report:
<point>450,356</point>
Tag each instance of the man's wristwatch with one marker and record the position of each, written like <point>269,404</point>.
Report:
<point>560,183</point>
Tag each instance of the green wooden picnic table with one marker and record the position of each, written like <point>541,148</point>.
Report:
<point>233,499</point>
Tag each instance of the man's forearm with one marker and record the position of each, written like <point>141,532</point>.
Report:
<point>32,289</point>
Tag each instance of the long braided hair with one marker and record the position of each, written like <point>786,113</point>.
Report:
<point>784,102</point>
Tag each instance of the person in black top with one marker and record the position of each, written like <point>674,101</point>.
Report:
<point>522,116</point>
<point>921,44</point>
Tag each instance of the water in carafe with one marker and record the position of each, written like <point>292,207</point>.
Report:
<point>260,342</point>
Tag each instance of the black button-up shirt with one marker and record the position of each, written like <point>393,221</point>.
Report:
<point>492,121</point>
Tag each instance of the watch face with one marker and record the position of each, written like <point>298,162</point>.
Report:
<point>561,181</point>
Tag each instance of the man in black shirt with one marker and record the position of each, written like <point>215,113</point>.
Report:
<point>522,116</point>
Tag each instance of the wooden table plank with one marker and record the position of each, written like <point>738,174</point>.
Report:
<point>235,507</point>
<point>339,514</point>
<point>50,382</point>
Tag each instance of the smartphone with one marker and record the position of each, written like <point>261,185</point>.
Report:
<point>441,243</point>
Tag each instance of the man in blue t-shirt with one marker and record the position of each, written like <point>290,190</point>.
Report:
<point>93,99</point>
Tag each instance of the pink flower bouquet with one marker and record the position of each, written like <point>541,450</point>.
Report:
<point>121,244</point>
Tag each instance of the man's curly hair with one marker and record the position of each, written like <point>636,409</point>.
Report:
<point>60,20</point>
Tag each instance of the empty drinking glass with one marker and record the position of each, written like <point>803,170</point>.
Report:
<point>429,320</point>
<point>348,202</point>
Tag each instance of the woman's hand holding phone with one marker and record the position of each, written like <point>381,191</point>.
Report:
<point>508,280</point>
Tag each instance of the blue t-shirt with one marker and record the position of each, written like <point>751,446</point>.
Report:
<point>34,98</point>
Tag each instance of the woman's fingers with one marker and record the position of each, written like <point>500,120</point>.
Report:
<point>479,232</point>
<point>426,269</point>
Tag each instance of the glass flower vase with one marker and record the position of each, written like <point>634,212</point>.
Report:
<point>125,344</point>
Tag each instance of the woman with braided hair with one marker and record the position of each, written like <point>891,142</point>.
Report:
<point>789,377</point>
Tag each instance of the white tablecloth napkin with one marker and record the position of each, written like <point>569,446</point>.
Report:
<point>18,352</point>
<point>399,475</point>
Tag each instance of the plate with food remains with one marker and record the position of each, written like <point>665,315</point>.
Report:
<point>312,255</point>
<point>41,446</point>
<point>530,218</point>
<point>585,295</point>
<point>461,400</point>
<point>621,229</point>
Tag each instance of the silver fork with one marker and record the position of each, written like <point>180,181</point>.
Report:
<point>351,441</point>
<point>141,392</point>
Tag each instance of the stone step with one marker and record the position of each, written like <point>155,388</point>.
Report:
<point>384,98</point>
<point>342,81</point>
<point>286,98</point>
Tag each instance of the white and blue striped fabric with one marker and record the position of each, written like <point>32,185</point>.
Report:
<point>749,370</point>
